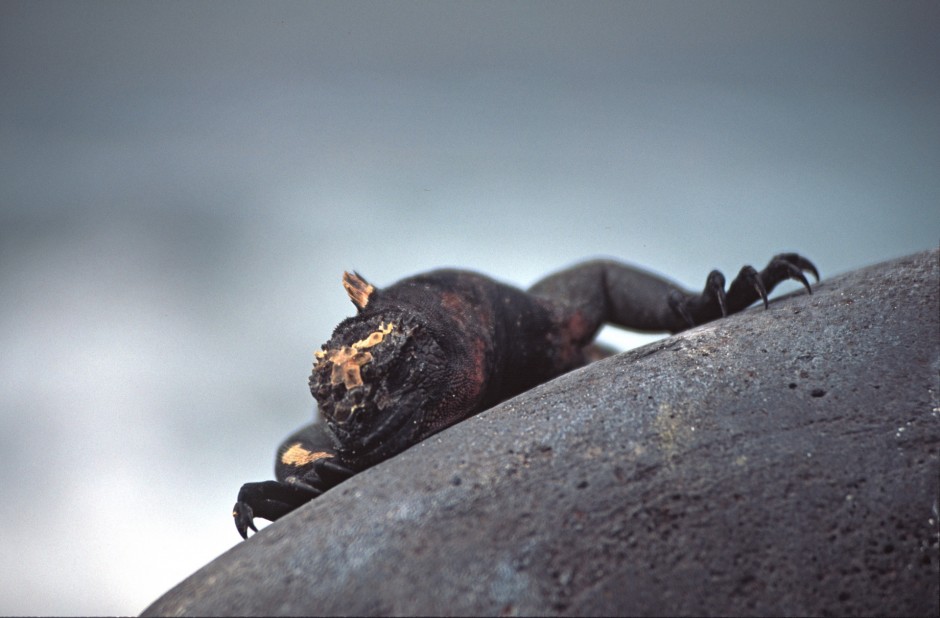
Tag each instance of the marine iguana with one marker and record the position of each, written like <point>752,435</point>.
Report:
<point>437,348</point>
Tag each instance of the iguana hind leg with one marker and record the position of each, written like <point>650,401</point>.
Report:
<point>604,291</point>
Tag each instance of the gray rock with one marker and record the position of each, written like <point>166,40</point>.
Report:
<point>776,462</point>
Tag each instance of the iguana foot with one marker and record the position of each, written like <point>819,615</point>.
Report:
<point>749,286</point>
<point>272,500</point>
<point>269,500</point>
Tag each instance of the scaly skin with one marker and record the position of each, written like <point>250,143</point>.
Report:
<point>437,348</point>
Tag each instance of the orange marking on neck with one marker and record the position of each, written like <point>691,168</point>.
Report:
<point>296,455</point>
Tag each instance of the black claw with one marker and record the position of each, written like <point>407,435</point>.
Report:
<point>796,273</point>
<point>800,262</point>
<point>244,518</point>
<point>754,279</point>
<point>759,287</point>
<point>794,265</point>
<point>716,285</point>
<point>809,266</point>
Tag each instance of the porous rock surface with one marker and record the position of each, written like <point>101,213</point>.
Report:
<point>775,462</point>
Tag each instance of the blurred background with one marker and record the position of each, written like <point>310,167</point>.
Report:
<point>183,184</point>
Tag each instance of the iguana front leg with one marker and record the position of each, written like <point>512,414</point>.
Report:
<point>603,291</point>
<point>306,467</point>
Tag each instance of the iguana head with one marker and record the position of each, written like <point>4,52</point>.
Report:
<point>377,381</point>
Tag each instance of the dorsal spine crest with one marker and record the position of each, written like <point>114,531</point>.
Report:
<point>358,289</point>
